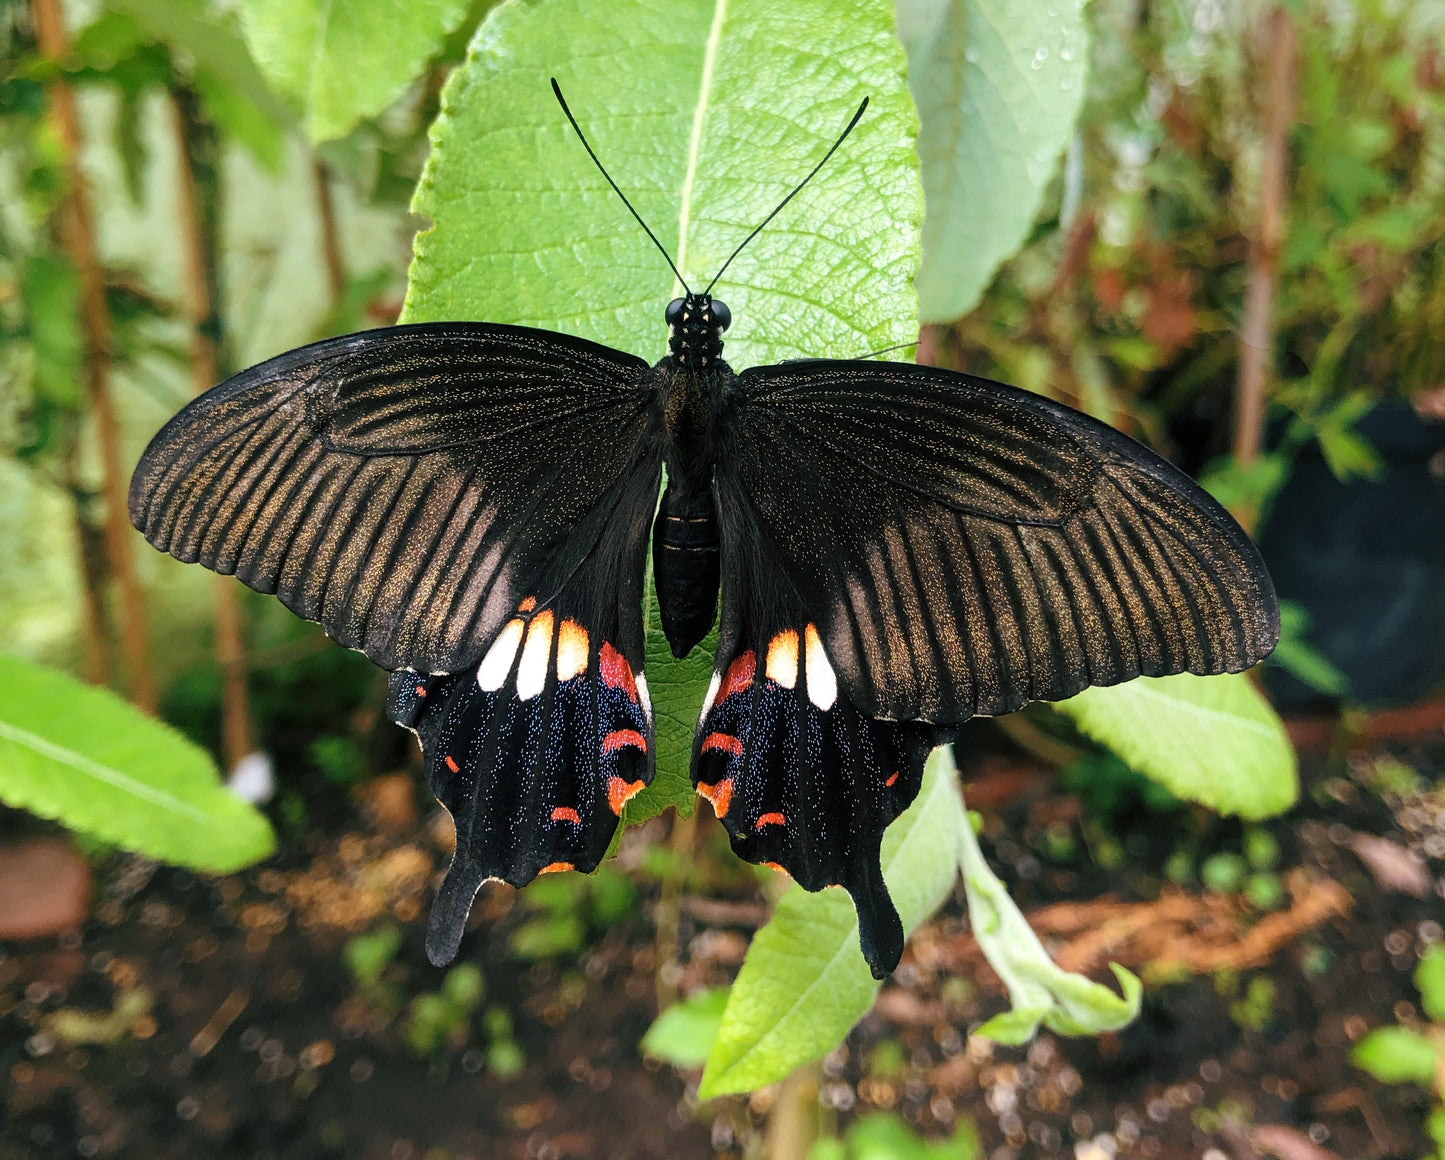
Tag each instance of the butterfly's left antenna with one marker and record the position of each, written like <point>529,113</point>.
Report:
<point>561,100</point>
<point>858,116</point>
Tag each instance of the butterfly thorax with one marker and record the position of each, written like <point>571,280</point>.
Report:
<point>692,382</point>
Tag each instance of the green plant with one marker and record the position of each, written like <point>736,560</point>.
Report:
<point>442,1018</point>
<point>882,1136</point>
<point>1409,1055</point>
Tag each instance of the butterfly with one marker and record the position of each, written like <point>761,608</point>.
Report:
<point>893,549</point>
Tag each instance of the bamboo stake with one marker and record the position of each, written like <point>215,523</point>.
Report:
<point>78,237</point>
<point>1257,329</point>
<point>237,731</point>
<point>330,235</point>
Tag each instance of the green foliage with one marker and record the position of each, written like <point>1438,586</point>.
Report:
<point>1039,991</point>
<point>565,907</point>
<point>342,60</point>
<point>998,85</point>
<point>684,1033</point>
<point>1397,1055</point>
<point>441,1019</point>
<point>882,1136</point>
<point>1254,1010</point>
<point>368,955</point>
<point>1301,659</point>
<point>804,982</point>
<point>83,756</point>
<point>1213,740</point>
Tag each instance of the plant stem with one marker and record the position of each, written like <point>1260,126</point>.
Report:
<point>78,236</point>
<point>330,235</point>
<point>793,1122</point>
<point>1257,329</point>
<point>237,733</point>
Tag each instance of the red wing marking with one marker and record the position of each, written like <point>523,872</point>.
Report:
<point>739,677</point>
<point>528,604</point>
<point>421,690</point>
<point>619,791</point>
<point>773,819</point>
<point>891,780</point>
<point>724,742</point>
<point>621,737</point>
<point>452,765</point>
<point>720,795</point>
<point>555,867</point>
<point>775,866</point>
<point>616,672</point>
<point>566,814</point>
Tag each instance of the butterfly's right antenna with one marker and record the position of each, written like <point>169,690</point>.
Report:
<point>561,100</point>
<point>843,136</point>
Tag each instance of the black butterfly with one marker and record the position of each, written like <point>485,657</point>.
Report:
<point>898,548</point>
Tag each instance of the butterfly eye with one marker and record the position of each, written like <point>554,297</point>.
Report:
<point>673,314</point>
<point>722,317</point>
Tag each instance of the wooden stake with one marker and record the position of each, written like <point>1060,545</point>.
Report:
<point>237,731</point>
<point>1257,329</point>
<point>77,232</point>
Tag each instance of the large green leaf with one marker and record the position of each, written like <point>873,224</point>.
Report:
<point>1213,740</point>
<point>804,982</point>
<point>342,60</point>
<point>707,115</point>
<point>998,85</point>
<point>83,756</point>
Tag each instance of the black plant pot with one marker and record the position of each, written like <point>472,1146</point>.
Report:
<point>1367,562</point>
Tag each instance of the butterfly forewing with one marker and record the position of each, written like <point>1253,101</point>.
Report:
<point>965,547</point>
<point>406,487</point>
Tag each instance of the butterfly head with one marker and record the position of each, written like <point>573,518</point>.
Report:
<point>695,326</point>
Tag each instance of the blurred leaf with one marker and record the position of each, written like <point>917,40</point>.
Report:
<point>1296,656</point>
<point>84,757</point>
<point>368,955</point>
<point>233,111</point>
<point>683,1034</point>
<point>1430,982</point>
<point>208,41</point>
<point>342,60</point>
<point>804,982</point>
<point>885,1136</point>
<point>998,85</point>
<point>1039,991</point>
<point>1213,740</point>
<point>50,292</point>
<point>1397,1055</point>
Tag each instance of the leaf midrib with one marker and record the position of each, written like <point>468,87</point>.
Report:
<point>694,147</point>
<point>112,777</point>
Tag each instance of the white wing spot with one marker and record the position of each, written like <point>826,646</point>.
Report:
<point>532,671</point>
<point>822,680</point>
<point>492,672</point>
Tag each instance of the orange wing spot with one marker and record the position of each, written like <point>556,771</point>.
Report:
<point>421,690</point>
<point>782,666</point>
<point>566,814</point>
<point>452,765</point>
<point>775,866</point>
<point>555,867</point>
<point>616,672</point>
<point>621,737</point>
<point>891,780</point>
<point>724,742</point>
<point>739,677</point>
<point>527,606</point>
<point>773,819</point>
<point>720,795</point>
<point>619,792</point>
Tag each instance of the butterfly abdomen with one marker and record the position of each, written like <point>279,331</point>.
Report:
<point>685,565</point>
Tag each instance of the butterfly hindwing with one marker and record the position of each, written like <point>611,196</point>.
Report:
<point>406,487</point>
<point>965,547</point>
<point>801,779</point>
<point>535,750</point>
